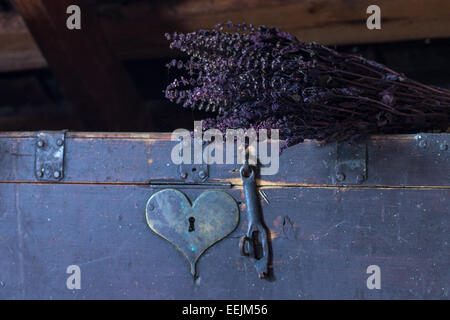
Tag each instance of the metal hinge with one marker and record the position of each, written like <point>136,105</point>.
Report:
<point>351,163</point>
<point>49,160</point>
<point>193,173</point>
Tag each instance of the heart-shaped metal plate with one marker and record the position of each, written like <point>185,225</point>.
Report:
<point>192,229</point>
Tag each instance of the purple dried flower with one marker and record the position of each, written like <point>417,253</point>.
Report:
<point>267,79</point>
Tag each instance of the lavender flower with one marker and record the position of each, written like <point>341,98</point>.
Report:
<point>266,79</point>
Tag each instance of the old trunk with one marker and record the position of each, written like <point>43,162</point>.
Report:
<point>325,229</point>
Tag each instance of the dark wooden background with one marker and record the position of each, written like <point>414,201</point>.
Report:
<point>63,73</point>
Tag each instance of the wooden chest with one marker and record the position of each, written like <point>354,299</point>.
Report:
<point>336,219</point>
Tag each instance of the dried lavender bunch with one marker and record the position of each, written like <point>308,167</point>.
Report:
<point>264,78</point>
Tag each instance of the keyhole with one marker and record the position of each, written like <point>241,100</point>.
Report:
<point>191,224</point>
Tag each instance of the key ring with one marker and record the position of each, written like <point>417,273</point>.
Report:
<point>243,171</point>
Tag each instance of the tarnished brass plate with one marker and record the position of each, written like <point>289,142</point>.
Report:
<point>192,229</point>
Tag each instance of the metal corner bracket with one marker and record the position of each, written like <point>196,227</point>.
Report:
<point>49,159</point>
<point>351,163</point>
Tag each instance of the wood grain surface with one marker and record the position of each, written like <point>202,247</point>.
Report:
<point>87,69</point>
<point>323,240</point>
<point>136,30</point>
<point>139,158</point>
<point>323,236</point>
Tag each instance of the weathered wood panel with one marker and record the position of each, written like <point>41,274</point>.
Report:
<point>18,50</point>
<point>395,161</point>
<point>323,240</point>
<point>323,21</point>
<point>89,72</point>
<point>136,30</point>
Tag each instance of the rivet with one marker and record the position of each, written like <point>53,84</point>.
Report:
<point>184,175</point>
<point>443,146</point>
<point>39,173</point>
<point>151,207</point>
<point>59,142</point>
<point>202,174</point>
<point>40,143</point>
<point>423,144</point>
<point>57,174</point>
<point>340,176</point>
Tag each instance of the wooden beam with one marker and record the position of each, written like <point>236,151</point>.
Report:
<point>330,22</point>
<point>18,50</point>
<point>136,30</point>
<point>89,72</point>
